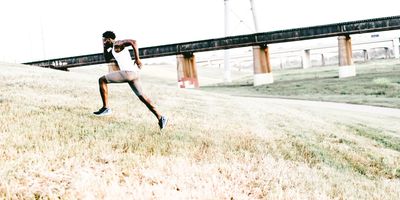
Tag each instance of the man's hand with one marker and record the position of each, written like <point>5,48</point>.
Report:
<point>138,62</point>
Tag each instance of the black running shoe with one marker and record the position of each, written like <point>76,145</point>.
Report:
<point>103,112</point>
<point>162,122</point>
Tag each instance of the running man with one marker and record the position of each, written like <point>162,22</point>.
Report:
<point>129,72</point>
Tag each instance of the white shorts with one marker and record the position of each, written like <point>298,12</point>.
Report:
<point>130,77</point>
<point>121,76</point>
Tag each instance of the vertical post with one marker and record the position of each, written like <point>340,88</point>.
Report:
<point>365,54</point>
<point>209,62</point>
<point>253,10</point>
<point>42,34</point>
<point>227,67</point>
<point>396,50</point>
<point>306,59</point>
<point>187,72</point>
<point>322,60</point>
<point>346,67</point>
<point>387,52</point>
<point>262,66</point>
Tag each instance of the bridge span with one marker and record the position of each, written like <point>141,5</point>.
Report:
<point>185,52</point>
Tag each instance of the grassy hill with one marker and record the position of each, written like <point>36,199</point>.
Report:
<point>215,146</point>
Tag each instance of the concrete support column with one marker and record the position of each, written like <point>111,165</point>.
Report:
<point>396,48</point>
<point>306,59</point>
<point>262,66</point>
<point>346,67</point>
<point>187,72</point>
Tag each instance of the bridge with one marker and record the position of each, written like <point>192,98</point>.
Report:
<point>306,56</point>
<point>187,75</point>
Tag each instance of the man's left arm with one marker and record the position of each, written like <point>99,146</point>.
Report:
<point>135,50</point>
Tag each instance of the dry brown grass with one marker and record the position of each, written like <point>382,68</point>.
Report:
<point>215,146</point>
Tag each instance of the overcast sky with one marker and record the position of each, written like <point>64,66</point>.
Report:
<point>43,29</point>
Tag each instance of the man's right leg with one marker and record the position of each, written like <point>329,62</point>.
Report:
<point>114,77</point>
<point>103,88</point>
<point>103,91</point>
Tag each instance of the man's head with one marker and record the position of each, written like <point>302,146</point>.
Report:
<point>109,34</point>
<point>108,38</point>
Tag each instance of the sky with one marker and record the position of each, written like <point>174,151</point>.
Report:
<point>46,29</point>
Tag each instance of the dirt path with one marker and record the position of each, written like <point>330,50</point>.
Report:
<point>376,117</point>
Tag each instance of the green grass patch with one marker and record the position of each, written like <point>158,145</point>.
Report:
<point>391,142</point>
<point>376,83</point>
<point>343,155</point>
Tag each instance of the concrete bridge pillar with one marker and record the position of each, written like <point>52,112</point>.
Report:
<point>306,59</point>
<point>187,72</point>
<point>262,66</point>
<point>346,67</point>
<point>396,48</point>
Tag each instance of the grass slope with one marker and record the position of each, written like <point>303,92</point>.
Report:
<point>215,146</point>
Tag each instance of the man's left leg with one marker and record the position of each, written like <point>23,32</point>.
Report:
<point>137,89</point>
